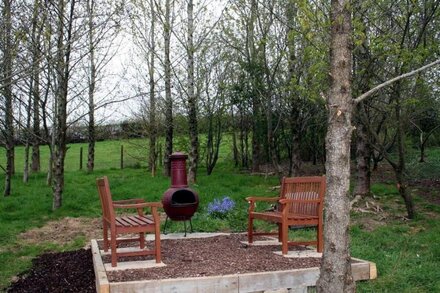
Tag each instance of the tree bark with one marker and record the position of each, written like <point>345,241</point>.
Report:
<point>213,142</point>
<point>363,155</point>
<point>36,56</point>
<point>234,138</point>
<point>33,134</point>
<point>27,135</point>
<point>400,169</point>
<point>62,73</point>
<point>295,161</point>
<point>7,93</point>
<point>192,99</point>
<point>244,141</point>
<point>153,128</point>
<point>256,104</point>
<point>168,99</point>
<point>336,275</point>
<point>295,128</point>
<point>91,137</point>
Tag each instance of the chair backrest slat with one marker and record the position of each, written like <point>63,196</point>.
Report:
<point>303,188</point>
<point>106,198</point>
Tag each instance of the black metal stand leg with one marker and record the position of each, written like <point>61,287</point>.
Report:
<point>184,224</point>
<point>190,223</point>
<point>165,226</point>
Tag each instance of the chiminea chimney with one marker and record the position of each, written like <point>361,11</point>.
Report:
<point>179,201</point>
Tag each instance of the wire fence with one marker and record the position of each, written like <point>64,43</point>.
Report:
<point>107,156</point>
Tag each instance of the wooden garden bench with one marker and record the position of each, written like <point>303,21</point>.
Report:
<point>300,204</point>
<point>131,224</point>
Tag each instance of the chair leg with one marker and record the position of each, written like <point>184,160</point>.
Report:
<point>320,240</point>
<point>280,233</point>
<point>157,244</point>
<point>113,249</point>
<point>142,240</point>
<point>285,238</point>
<point>250,229</point>
<point>105,235</point>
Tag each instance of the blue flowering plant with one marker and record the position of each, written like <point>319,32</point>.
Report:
<point>219,208</point>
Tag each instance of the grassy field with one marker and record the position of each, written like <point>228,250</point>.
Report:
<point>407,253</point>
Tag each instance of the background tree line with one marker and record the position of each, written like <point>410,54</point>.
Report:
<point>254,70</point>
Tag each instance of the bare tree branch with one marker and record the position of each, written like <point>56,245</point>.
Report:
<point>387,83</point>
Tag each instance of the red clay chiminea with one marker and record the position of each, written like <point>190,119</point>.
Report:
<point>179,201</point>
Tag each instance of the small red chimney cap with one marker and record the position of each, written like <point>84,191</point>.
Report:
<point>178,155</point>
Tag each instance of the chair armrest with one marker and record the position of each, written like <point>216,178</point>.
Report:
<point>253,199</point>
<point>127,201</point>
<point>256,198</point>
<point>290,200</point>
<point>138,205</point>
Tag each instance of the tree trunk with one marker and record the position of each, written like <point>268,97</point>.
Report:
<point>92,83</point>
<point>213,139</point>
<point>363,176</point>
<point>34,98</point>
<point>62,73</point>
<point>296,157</point>
<point>270,128</point>
<point>256,105</point>
<point>192,100</point>
<point>234,139</point>
<point>336,275</point>
<point>401,166</point>
<point>168,98</point>
<point>244,143</point>
<point>27,134</point>
<point>295,141</point>
<point>26,162</point>
<point>49,177</point>
<point>49,136</point>
<point>363,73</point>
<point>422,148</point>
<point>7,93</point>
<point>35,75</point>
<point>153,129</point>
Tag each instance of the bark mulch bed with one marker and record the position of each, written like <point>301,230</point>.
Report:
<point>58,272</point>
<point>214,256</point>
<point>192,257</point>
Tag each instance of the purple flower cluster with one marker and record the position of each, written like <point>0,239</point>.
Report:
<point>220,207</point>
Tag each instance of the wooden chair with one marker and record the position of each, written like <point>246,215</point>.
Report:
<point>300,204</point>
<point>138,223</point>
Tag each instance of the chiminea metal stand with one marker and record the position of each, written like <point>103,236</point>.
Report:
<point>184,225</point>
<point>179,201</point>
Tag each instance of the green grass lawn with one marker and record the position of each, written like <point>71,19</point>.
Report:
<point>407,253</point>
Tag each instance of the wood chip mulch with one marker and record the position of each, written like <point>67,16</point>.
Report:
<point>213,256</point>
<point>222,255</point>
<point>70,271</point>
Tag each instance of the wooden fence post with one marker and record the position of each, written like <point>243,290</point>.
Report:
<point>80,158</point>
<point>122,156</point>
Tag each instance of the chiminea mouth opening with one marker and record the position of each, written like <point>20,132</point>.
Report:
<point>183,197</point>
